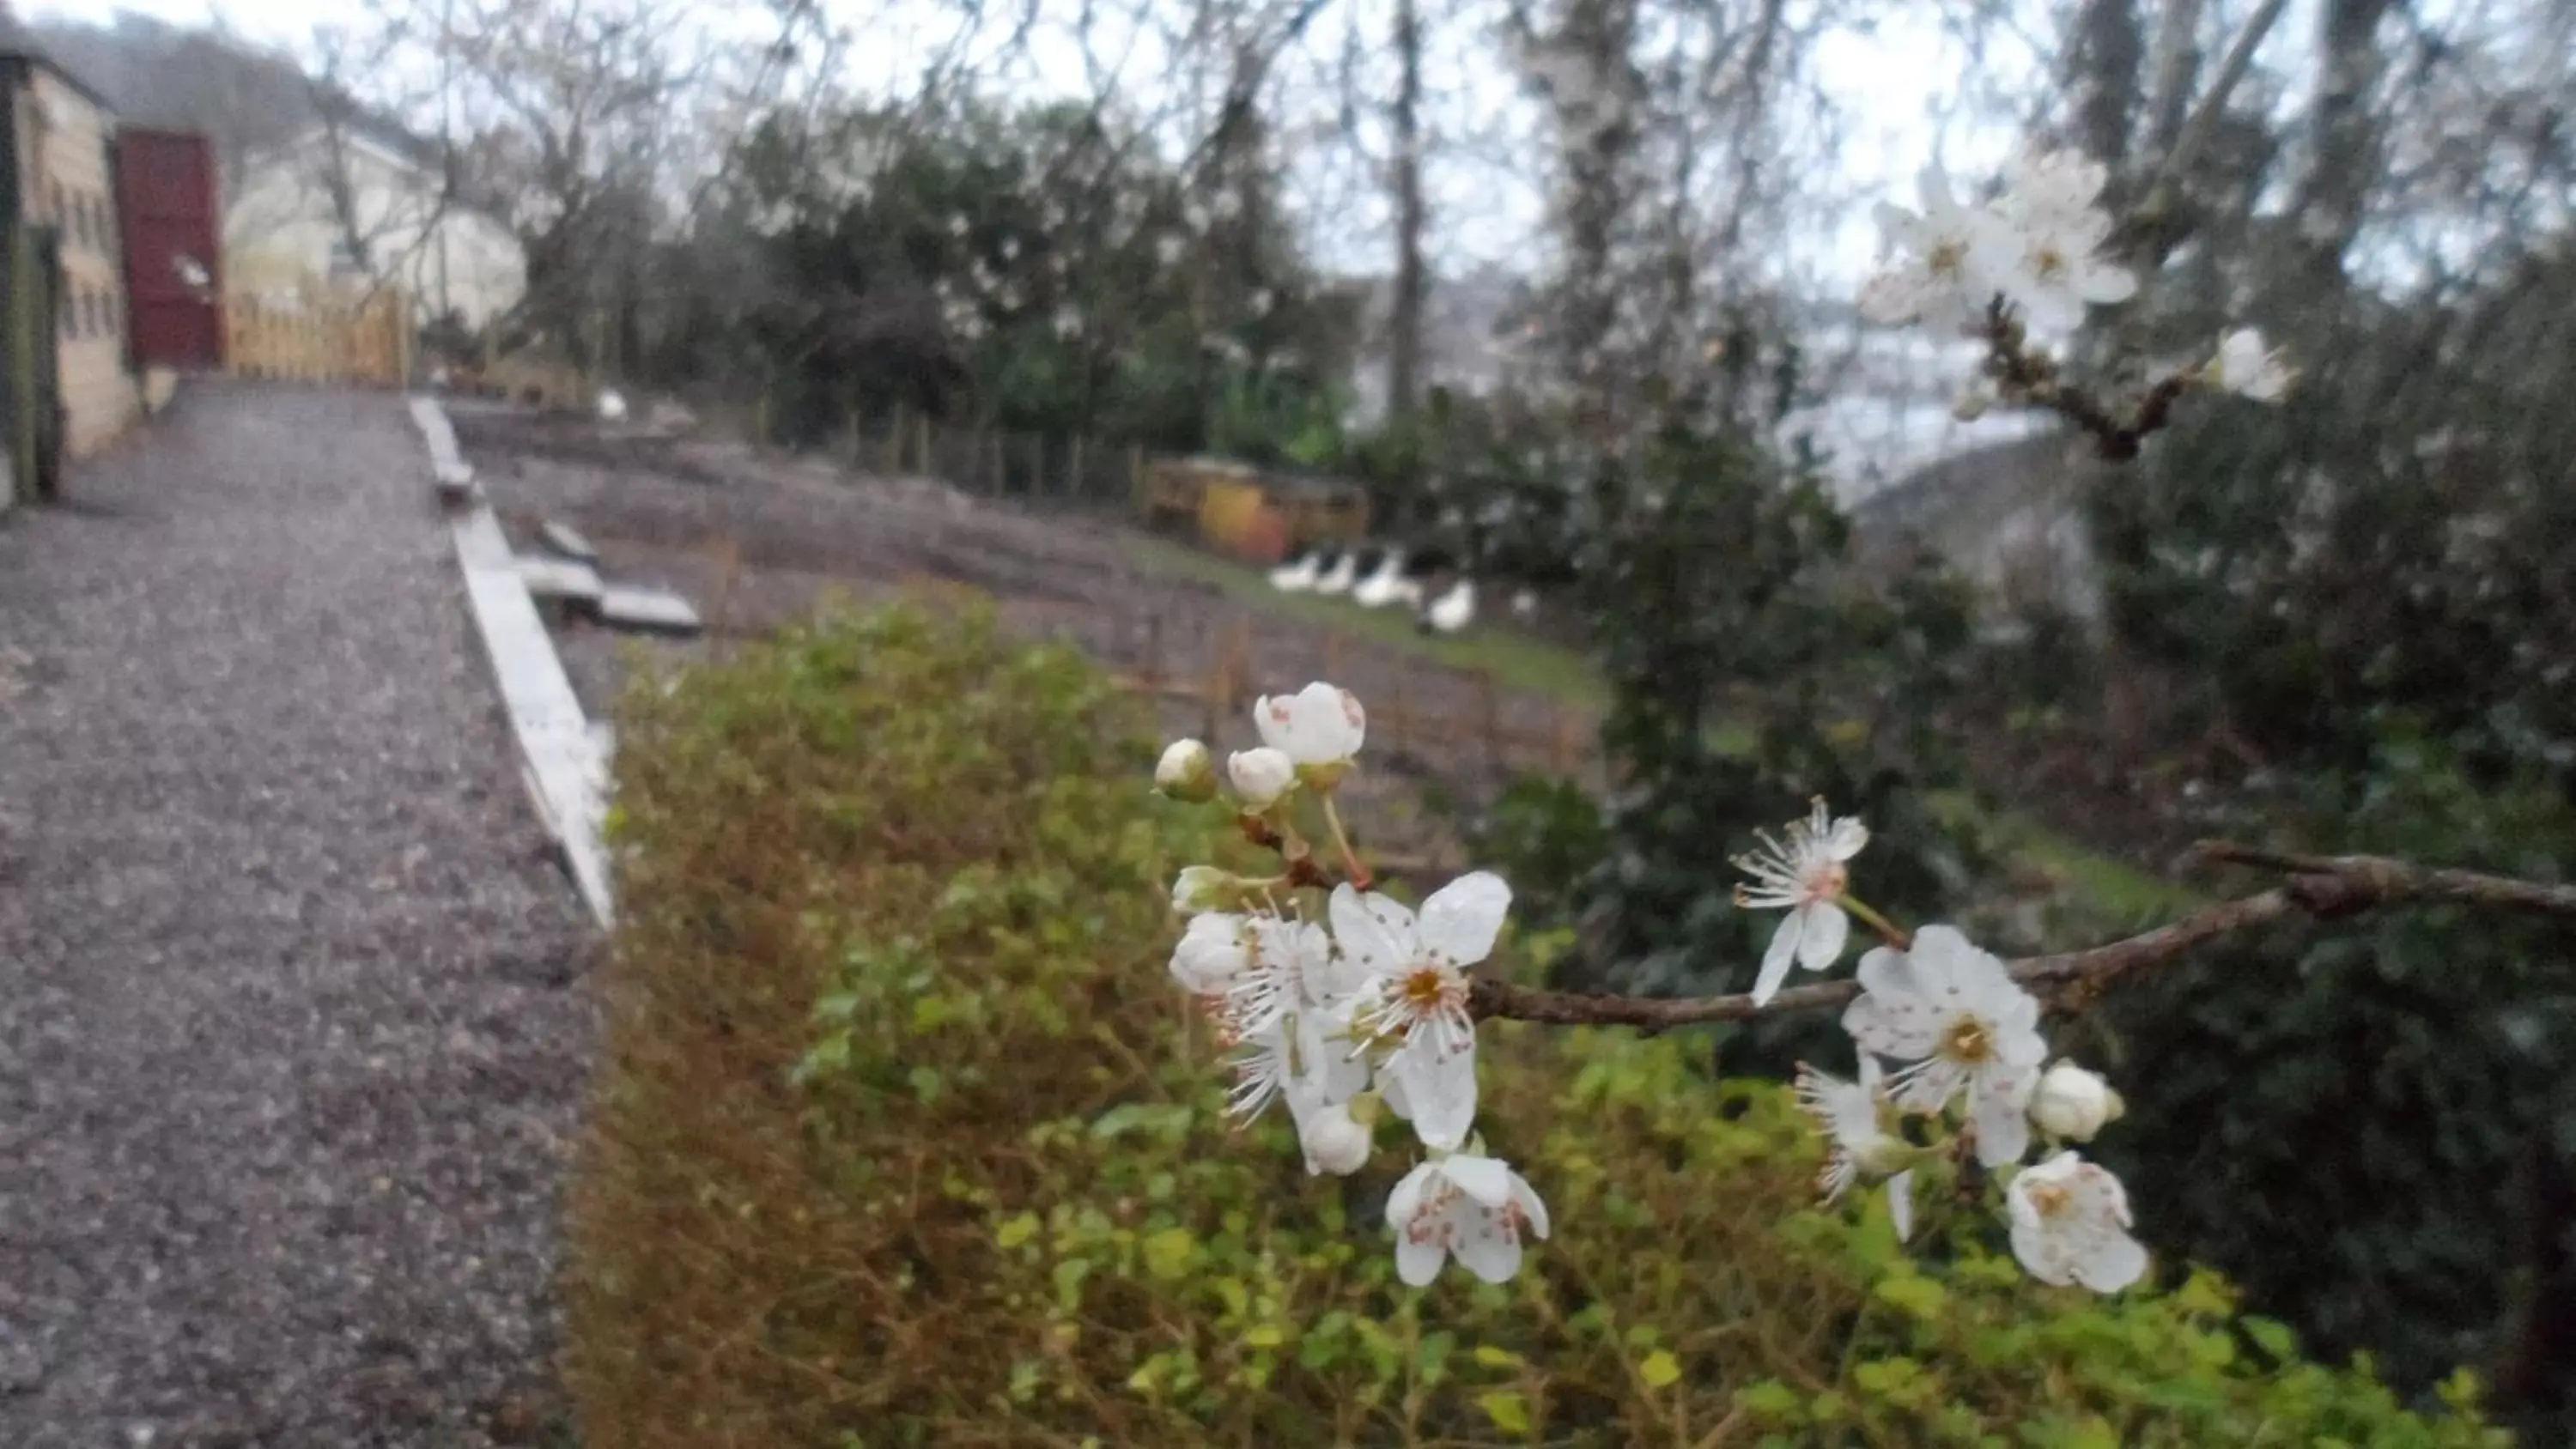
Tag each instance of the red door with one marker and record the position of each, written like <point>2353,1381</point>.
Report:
<point>174,261</point>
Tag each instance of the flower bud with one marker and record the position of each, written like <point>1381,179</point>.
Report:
<point>1972,404</point>
<point>1335,1142</point>
<point>1261,776</point>
<point>1214,952</point>
<point>2072,1104</point>
<point>1187,772</point>
<point>1205,888</point>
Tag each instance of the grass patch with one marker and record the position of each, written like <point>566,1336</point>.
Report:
<point>1515,661</point>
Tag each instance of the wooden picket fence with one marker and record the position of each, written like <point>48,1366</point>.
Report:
<point>313,336</point>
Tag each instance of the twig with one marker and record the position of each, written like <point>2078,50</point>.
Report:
<point>2022,375</point>
<point>2152,219</point>
<point>2322,887</point>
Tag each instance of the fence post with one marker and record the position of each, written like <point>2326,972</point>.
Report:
<point>1037,465</point>
<point>925,446</point>
<point>892,462</point>
<point>1073,479</point>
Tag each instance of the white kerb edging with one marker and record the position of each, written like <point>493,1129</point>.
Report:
<point>563,759</point>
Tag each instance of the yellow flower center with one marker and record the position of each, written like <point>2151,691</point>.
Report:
<point>2050,1199</point>
<point>1968,1040</point>
<point>1427,989</point>
<point>2050,263</point>
<point>1948,259</point>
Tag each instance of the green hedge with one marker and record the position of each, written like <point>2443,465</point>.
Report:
<point>903,1137</point>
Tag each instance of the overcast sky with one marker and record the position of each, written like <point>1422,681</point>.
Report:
<point>1887,84</point>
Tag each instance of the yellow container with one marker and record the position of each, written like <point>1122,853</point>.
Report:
<point>1230,511</point>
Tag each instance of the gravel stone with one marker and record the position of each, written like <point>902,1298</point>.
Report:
<point>291,1038</point>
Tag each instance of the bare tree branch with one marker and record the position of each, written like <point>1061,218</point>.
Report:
<point>2320,888</point>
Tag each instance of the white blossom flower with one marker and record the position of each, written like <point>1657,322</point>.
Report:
<point>2055,188</point>
<point>1319,727</point>
<point>1214,953</point>
<point>1856,1117</point>
<point>1281,1010</point>
<point>1804,875</point>
<point>2073,1104</point>
<point>1954,257</point>
<point>1475,1207</point>
<point>1955,1014</point>
<point>1186,772</point>
<point>1261,776</point>
<point>2070,1224</point>
<point>2245,367</point>
<point>2056,271</point>
<point>1413,992</point>
<point>1333,1140</point>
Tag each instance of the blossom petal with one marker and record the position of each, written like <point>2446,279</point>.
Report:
<point>1390,1090</point>
<point>1404,1203</point>
<point>1271,714</point>
<point>2003,1131</point>
<point>1900,1203</point>
<point>1847,838</point>
<point>1488,1248</point>
<point>1531,1207</point>
<point>1331,1072</point>
<point>1776,959</point>
<point>1441,1090</point>
<point>1485,1179</point>
<point>1462,918</point>
<point>1891,1018</point>
<point>1417,1263</point>
<point>1376,934</point>
<point>2111,1263</point>
<point>1827,931</point>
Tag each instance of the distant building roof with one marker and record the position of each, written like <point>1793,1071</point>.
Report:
<point>18,58</point>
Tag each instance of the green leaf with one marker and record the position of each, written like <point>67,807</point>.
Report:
<point>1772,1400</point>
<point>1492,1357</point>
<point>1169,1253</point>
<point>1919,1296</point>
<point>1016,1231</point>
<point>1508,1410</point>
<point>1660,1369</point>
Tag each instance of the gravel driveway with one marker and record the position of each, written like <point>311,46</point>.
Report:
<point>290,1038</point>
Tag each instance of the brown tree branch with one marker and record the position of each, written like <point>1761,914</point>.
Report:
<point>2319,888</point>
<point>2029,378</point>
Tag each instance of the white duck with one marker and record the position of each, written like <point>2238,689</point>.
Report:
<point>1298,576</point>
<point>1337,579</point>
<point>1525,604</point>
<point>1388,585</point>
<point>1454,610</point>
<point>612,408</point>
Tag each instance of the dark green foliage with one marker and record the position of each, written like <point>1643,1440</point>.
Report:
<point>2339,1116</point>
<point>1037,269</point>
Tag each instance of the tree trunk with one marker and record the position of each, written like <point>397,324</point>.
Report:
<point>1404,328</point>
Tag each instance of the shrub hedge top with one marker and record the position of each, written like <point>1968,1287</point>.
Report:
<point>903,1137</point>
